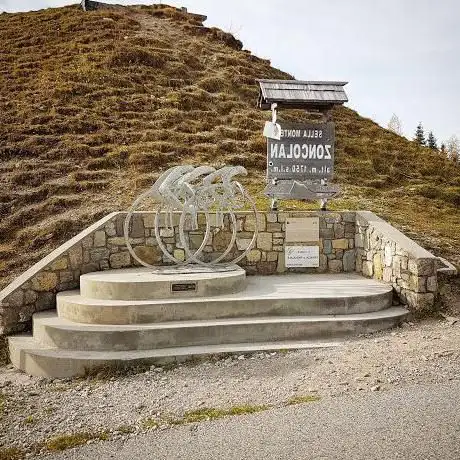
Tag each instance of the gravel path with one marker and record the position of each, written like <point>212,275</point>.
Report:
<point>33,410</point>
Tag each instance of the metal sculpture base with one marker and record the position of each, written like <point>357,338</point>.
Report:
<point>191,269</point>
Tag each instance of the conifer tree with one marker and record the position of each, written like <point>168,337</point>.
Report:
<point>432,144</point>
<point>420,135</point>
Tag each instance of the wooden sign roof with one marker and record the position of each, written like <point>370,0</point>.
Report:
<point>301,94</point>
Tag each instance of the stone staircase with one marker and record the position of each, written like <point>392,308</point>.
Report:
<point>137,316</point>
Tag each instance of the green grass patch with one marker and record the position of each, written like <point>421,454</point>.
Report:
<point>29,420</point>
<point>11,453</point>
<point>67,441</point>
<point>207,413</point>
<point>150,423</point>
<point>302,399</point>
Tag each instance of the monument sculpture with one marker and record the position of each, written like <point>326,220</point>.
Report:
<point>190,190</point>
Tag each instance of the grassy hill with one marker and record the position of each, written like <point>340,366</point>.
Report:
<point>94,105</point>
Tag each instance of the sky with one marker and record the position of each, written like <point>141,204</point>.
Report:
<point>399,56</point>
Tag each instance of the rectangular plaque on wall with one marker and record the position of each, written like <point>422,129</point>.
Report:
<point>302,229</point>
<point>301,256</point>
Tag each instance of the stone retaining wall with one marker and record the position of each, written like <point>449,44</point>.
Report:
<point>372,246</point>
<point>386,254</point>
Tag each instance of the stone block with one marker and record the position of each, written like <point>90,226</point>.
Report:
<point>272,217</point>
<point>417,283</point>
<point>388,256</point>
<point>349,258</point>
<point>30,296</point>
<point>221,240</point>
<point>350,228</point>
<point>45,281</point>
<point>166,232</point>
<point>278,248</point>
<point>16,299</point>
<point>359,264</point>
<point>378,268</point>
<point>281,266</point>
<point>335,265</point>
<point>339,230</point>
<point>278,241</point>
<point>120,260</point>
<point>87,242</point>
<point>98,254</point>
<point>432,284</point>
<point>333,218</point>
<point>368,268</point>
<point>117,241</point>
<point>420,301</point>
<point>149,254</point>
<point>250,222</point>
<point>340,244</point>
<point>349,217</point>
<point>282,216</point>
<point>45,301</point>
<point>76,257</point>
<point>59,264</point>
<point>179,254</point>
<point>99,239</point>
<point>65,277</point>
<point>110,229</point>
<point>243,243</point>
<point>89,268</point>
<point>338,253</point>
<point>273,227</point>
<point>196,240</point>
<point>327,246</point>
<point>272,256</point>
<point>264,241</point>
<point>266,268</point>
<point>326,233</point>
<point>149,220</point>
<point>322,263</point>
<point>387,274</point>
<point>253,256</point>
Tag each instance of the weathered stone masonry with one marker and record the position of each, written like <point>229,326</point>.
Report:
<point>348,241</point>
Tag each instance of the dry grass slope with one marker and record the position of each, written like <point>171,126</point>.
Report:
<point>94,105</point>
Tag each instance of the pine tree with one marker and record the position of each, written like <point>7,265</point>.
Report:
<point>420,135</point>
<point>432,143</point>
<point>443,148</point>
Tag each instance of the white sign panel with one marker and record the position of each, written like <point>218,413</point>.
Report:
<point>302,229</point>
<point>301,256</point>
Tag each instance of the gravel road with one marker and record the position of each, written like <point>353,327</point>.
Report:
<point>415,422</point>
<point>34,411</point>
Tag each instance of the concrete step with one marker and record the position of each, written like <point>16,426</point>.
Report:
<point>293,295</point>
<point>169,282</point>
<point>41,361</point>
<point>51,330</point>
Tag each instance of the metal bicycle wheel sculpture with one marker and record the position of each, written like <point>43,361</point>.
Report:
<point>191,190</point>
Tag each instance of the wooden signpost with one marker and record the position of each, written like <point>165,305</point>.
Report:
<point>300,158</point>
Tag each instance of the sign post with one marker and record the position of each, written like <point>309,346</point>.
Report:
<point>300,158</point>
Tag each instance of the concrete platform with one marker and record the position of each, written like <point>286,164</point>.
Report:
<point>145,284</point>
<point>50,330</point>
<point>132,324</point>
<point>36,359</point>
<point>287,295</point>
